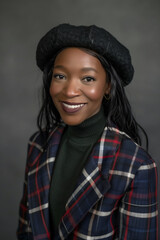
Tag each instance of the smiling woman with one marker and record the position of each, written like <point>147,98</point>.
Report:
<point>87,177</point>
<point>78,85</point>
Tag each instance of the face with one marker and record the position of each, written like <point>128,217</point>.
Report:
<point>78,85</point>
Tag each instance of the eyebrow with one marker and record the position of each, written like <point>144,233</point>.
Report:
<point>85,69</point>
<point>59,66</point>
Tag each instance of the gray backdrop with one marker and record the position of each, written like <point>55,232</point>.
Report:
<point>22,23</point>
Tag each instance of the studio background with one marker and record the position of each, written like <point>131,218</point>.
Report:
<point>22,23</point>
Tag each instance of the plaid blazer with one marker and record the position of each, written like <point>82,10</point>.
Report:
<point>115,197</point>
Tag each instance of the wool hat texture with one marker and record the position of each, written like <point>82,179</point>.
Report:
<point>90,37</point>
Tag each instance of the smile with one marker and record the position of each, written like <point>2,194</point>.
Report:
<point>72,107</point>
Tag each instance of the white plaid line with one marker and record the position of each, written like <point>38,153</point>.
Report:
<point>90,227</point>
<point>122,133</point>
<point>102,213</point>
<point>60,233</point>
<point>22,220</point>
<point>137,205</point>
<point>101,148</point>
<point>121,173</point>
<point>49,160</point>
<point>48,169</point>
<point>88,177</point>
<point>64,227</point>
<point>139,215</point>
<point>86,237</point>
<point>25,182</point>
<point>116,130</point>
<point>82,185</point>
<point>36,145</point>
<point>147,167</point>
<point>36,135</point>
<point>131,166</point>
<point>39,208</point>
<point>122,221</point>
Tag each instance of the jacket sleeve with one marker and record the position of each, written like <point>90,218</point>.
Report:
<point>24,231</point>
<point>139,210</point>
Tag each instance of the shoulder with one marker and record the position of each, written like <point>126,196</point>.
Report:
<point>40,139</point>
<point>39,145</point>
<point>128,153</point>
<point>130,148</point>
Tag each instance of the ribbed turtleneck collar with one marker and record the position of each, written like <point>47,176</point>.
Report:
<point>88,130</point>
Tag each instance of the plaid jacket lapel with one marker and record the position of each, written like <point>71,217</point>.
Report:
<point>92,184</point>
<point>41,165</point>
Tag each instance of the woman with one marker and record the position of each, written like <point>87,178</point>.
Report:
<point>86,175</point>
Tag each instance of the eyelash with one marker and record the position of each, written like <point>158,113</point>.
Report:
<point>89,79</point>
<point>58,76</point>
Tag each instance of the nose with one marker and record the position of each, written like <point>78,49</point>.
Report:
<point>71,88</point>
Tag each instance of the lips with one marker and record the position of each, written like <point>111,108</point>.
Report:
<point>72,107</point>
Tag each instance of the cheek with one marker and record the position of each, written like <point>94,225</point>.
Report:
<point>54,90</point>
<point>96,93</point>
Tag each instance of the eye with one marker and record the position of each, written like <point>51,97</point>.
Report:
<point>58,76</point>
<point>88,79</point>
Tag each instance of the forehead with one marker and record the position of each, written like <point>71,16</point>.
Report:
<point>78,56</point>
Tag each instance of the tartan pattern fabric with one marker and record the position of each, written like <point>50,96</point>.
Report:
<point>115,196</point>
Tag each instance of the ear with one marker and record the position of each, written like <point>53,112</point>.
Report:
<point>108,88</point>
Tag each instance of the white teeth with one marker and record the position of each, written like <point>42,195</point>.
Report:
<point>72,106</point>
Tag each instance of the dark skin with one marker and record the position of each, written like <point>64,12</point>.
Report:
<point>79,83</point>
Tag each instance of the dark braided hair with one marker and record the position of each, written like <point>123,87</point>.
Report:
<point>117,109</point>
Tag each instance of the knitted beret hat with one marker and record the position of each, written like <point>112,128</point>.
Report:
<point>91,37</point>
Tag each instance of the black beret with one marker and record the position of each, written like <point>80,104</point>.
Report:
<point>91,37</point>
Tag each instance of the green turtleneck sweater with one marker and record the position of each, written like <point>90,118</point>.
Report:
<point>76,145</point>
